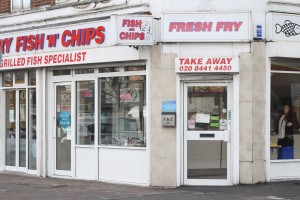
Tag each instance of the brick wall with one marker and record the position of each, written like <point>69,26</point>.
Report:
<point>38,3</point>
<point>4,6</point>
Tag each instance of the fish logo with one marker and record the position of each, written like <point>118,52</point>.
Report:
<point>289,28</point>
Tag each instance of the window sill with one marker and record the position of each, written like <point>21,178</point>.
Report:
<point>284,160</point>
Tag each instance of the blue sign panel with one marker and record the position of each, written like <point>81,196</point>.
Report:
<point>169,106</point>
<point>64,119</point>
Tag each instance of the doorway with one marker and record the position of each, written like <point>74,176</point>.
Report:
<point>63,129</point>
<point>20,128</point>
<point>207,146</point>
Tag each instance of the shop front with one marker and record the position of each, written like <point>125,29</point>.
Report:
<point>207,78</point>
<point>74,100</point>
<point>284,79</point>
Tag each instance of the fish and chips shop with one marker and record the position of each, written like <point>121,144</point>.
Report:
<point>74,100</point>
<point>186,98</point>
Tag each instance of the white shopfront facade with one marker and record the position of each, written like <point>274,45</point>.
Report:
<point>74,100</point>
<point>89,100</point>
<point>207,48</point>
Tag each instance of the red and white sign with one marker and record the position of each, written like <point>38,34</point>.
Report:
<point>76,43</point>
<point>206,64</point>
<point>72,37</point>
<point>208,27</point>
<point>134,30</point>
<point>86,56</point>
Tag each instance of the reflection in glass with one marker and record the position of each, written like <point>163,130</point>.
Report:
<point>32,130</point>
<point>109,69</point>
<point>286,64</point>
<point>85,112</point>
<point>32,77</point>
<point>122,111</point>
<point>207,108</point>
<point>135,68</point>
<point>8,79</point>
<point>26,4</point>
<point>20,77</point>
<point>63,127</point>
<point>62,72</point>
<point>22,128</point>
<point>16,5</point>
<point>206,159</point>
<point>84,71</point>
<point>10,158</point>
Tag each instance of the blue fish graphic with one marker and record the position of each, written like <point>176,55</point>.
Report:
<point>289,28</point>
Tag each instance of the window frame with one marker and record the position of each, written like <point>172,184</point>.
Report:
<point>281,72</point>
<point>21,6</point>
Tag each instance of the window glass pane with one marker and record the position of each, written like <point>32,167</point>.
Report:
<point>16,4</point>
<point>84,71</point>
<point>109,69</point>
<point>26,4</point>
<point>22,128</point>
<point>32,130</point>
<point>20,77</point>
<point>63,127</point>
<point>285,64</point>
<point>85,112</point>
<point>209,103</point>
<point>122,111</point>
<point>8,79</point>
<point>32,77</point>
<point>206,159</point>
<point>61,72</point>
<point>10,128</point>
<point>135,68</point>
<point>285,99</point>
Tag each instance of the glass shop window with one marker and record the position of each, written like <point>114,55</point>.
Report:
<point>84,71</point>
<point>32,78</point>
<point>285,116</point>
<point>109,69</point>
<point>8,79</point>
<point>20,77</point>
<point>85,112</point>
<point>122,116</point>
<point>63,72</point>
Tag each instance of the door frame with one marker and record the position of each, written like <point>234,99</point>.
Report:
<point>17,131</point>
<point>52,135</point>
<point>181,79</point>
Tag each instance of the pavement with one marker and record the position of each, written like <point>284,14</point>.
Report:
<point>26,187</point>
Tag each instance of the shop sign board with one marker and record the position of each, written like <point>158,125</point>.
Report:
<point>283,27</point>
<point>206,27</point>
<point>80,43</point>
<point>61,58</point>
<point>206,64</point>
<point>72,37</point>
<point>133,30</point>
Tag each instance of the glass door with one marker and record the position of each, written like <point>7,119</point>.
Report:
<point>206,134</point>
<point>63,129</point>
<point>16,131</point>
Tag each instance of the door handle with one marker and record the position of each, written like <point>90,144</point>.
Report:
<point>207,135</point>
